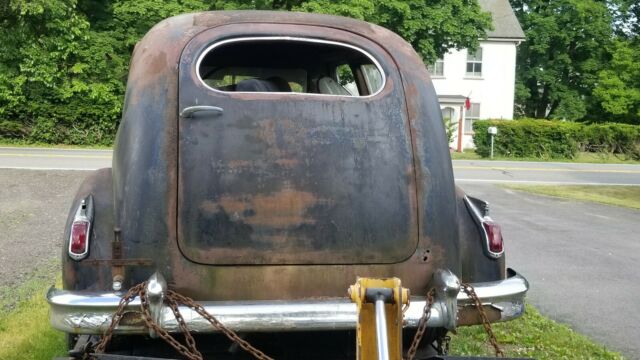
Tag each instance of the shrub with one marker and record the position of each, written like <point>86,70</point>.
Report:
<point>10,129</point>
<point>547,139</point>
<point>612,138</point>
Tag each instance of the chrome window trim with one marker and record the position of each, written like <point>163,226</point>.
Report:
<point>289,38</point>
<point>480,216</point>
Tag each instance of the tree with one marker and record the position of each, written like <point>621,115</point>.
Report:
<point>560,61</point>
<point>432,27</point>
<point>618,88</point>
<point>63,66</point>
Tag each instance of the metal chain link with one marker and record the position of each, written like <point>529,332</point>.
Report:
<point>117,316</point>
<point>422,325</point>
<point>191,353</point>
<point>172,299</point>
<point>468,289</point>
<point>232,335</point>
<point>162,333</point>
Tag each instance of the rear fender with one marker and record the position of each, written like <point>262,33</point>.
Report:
<point>477,266</point>
<point>87,274</point>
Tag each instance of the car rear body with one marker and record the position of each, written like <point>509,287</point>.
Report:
<point>277,195</point>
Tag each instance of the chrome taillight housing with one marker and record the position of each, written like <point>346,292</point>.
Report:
<point>80,232</point>
<point>490,231</point>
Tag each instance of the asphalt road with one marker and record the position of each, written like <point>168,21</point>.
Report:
<point>53,159</point>
<point>483,171</point>
<point>466,171</point>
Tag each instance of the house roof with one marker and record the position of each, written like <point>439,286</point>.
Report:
<point>505,23</point>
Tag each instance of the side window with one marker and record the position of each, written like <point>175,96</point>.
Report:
<point>474,63</point>
<point>289,65</point>
<point>471,115</point>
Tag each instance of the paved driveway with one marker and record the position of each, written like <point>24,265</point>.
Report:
<point>582,261</point>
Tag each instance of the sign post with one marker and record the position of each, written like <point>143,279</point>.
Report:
<point>492,131</point>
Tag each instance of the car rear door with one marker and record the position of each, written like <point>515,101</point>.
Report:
<point>284,178</point>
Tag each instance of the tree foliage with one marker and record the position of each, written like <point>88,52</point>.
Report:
<point>63,66</point>
<point>558,64</point>
<point>579,61</point>
<point>61,81</point>
<point>618,87</point>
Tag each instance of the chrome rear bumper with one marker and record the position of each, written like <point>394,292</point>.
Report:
<point>83,312</point>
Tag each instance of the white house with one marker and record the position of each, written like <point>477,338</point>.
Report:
<point>486,77</point>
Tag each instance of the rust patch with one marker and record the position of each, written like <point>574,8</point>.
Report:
<point>468,315</point>
<point>157,64</point>
<point>281,209</point>
<point>132,318</point>
<point>235,164</point>
<point>287,163</point>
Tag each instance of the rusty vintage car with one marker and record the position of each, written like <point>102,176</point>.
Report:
<point>263,162</point>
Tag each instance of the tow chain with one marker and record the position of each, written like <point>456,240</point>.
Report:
<point>468,289</point>
<point>190,351</point>
<point>422,324</point>
<point>172,299</point>
<point>426,314</point>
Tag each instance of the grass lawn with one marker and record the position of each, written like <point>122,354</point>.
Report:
<point>626,196</point>
<point>534,336</point>
<point>583,157</point>
<point>25,333</point>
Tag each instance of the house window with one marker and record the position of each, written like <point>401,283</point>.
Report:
<point>474,63</point>
<point>471,115</point>
<point>437,68</point>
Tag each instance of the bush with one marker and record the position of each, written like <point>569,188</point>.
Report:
<point>10,129</point>
<point>545,139</point>
<point>612,138</point>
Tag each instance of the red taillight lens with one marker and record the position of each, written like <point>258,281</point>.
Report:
<point>494,234</point>
<point>79,236</point>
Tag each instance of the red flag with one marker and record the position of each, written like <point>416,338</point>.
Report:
<point>467,103</point>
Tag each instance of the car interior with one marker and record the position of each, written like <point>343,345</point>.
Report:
<point>290,66</point>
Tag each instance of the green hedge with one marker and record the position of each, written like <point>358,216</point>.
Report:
<point>546,139</point>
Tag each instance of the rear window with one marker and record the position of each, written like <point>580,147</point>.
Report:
<point>290,65</point>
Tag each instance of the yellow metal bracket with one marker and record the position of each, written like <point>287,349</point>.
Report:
<point>379,331</point>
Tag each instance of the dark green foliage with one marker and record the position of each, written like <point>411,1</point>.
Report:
<point>611,138</point>
<point>558,64</point>
<point>63,64</point>
<point>59,79</point>
<point>546,139</point>
<point>579,61</point>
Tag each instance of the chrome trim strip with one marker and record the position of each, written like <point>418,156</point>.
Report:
<point>82,312</point>
<point>289,38</point>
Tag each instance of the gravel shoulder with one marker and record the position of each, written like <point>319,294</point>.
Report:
<point>33,209</point>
